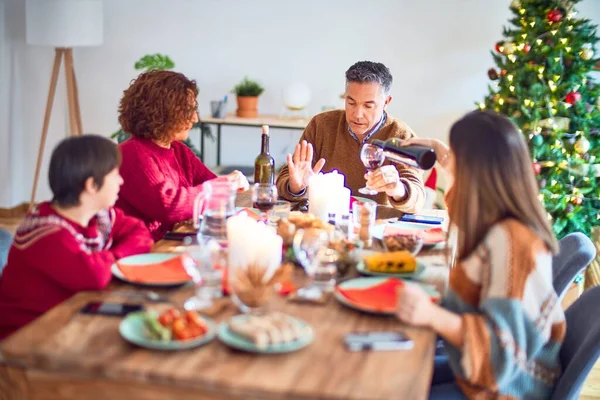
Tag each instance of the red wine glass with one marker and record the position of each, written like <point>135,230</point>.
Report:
<point>372,157</point>
<point>264,196</point>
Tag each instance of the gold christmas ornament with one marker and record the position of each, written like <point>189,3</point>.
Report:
<point>582,146</point>
<point>586,54</point>
<point>509,48</point>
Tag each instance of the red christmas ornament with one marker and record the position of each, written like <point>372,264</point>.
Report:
<point>573,97</point>
<point>537,168</point>
<point>503,72</point>
<point>577,200</point>
<point>554,15</point>
<point>526,48</point>
<point>499,47</point>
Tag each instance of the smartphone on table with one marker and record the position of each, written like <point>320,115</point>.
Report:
<point>110,309</point>
<point>378,341</point>
<point>422,219</point>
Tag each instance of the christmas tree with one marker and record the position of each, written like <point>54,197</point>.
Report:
<point>543,82</point>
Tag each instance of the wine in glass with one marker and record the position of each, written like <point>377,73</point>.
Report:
<point>264,196</point>
<point>372,157</point>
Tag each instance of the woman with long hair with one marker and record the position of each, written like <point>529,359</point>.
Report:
<point>501,320</point>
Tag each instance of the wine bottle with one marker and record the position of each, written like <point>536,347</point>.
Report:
<point>415,156</point>
<point>264,165</point>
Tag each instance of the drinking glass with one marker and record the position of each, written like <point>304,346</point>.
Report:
<point>310,246</point>
<point>264,196</point>
<point>208,261</point>
<point>281,210</point>
<point>372,157</point>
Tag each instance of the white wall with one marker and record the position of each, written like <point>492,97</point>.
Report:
<point>437,50</point>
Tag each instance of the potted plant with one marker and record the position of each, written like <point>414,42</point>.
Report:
<point>247,92</point>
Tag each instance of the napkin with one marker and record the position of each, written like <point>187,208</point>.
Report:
<point>380,297</point>
<point>169,271</point>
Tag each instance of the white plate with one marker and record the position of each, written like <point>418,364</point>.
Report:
<point>237,342</point>
<point>144,259</point>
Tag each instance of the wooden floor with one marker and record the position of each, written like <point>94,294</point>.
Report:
<point>591,389</point>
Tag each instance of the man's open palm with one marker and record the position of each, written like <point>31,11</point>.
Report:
<point>300,166</point>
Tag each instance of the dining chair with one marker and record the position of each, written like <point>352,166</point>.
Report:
<point>581,346</point>
<point>576,252</point>
<point>5,242</point>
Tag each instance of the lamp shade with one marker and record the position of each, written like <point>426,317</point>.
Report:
<point>64,23</point>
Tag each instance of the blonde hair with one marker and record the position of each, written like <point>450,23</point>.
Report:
<point>493,181</point>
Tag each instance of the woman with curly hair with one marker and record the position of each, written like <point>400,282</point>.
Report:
<point>162,175</point>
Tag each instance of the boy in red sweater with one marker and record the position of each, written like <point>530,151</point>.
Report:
<point>69,244</point>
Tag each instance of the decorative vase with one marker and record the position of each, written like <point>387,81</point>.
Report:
<point>247,106</point>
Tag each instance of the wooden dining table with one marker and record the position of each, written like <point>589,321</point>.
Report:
<point>65,354</point>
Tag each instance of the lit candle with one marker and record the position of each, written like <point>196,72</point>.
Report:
<point>252,243</point>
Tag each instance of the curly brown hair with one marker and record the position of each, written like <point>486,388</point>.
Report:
<point>157,105</point>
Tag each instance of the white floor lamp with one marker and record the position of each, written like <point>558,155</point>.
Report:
<point>62,24</point>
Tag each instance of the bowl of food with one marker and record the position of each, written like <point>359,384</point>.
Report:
<point>348,253</point>
<point>409,241</point>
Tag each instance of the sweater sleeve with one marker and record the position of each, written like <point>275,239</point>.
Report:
<point>69,264</point>
<point>130,236</point>
<point>283,178</point>
<point>153,193</point>
<point>507,333</point>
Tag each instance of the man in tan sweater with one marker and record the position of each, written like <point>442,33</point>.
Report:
<point>335,138</point>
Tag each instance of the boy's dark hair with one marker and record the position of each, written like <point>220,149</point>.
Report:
<point>76,159</point>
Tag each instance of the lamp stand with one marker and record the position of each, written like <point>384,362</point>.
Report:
<point>72,101</point>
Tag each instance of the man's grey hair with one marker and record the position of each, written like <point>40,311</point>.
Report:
<point>370,72</point>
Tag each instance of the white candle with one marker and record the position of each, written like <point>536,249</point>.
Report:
<point>327,195</point>
<point>318,198</point>
<point>343,201</point>
<point>252,243</point>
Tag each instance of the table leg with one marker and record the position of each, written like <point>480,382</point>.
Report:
<point>202,141</point>
<point>218,145</point>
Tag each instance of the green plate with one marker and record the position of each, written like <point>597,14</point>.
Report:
<point>133,329</point>
<point>366,282</point>
<point>144,259</point>
<point>363,270</point>
<point>237,342</point>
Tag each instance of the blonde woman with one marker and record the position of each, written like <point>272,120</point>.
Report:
<point>501,321</point>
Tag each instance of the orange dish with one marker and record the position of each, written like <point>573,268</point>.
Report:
<point>188,325</point>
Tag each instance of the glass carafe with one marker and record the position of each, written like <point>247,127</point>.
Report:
<point>212,207</point>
